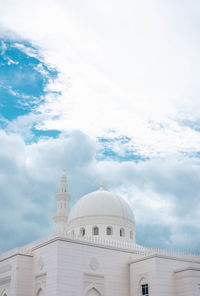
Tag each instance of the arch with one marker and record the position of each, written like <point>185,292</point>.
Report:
<point>40,292</point>
<point>93,292</point>
<point>122,232</point>
<point>109,230</point>
<point>82,231</point>
<point>4,292</point>
<point>131,234</point>
<point>143,287</point>
<point>95,230</point>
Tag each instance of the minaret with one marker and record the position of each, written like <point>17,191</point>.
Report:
<point>61,216</point>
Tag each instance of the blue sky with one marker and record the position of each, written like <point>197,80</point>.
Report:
<point>110,93</point>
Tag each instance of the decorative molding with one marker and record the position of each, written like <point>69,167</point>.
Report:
<point>187,269</point>
<point>164,254</point>
<point>40,282</point>
<point>24,251</point>
<point>5,280</point>
<point>96,241</point>
<point>142,279</point>
<point>41,263</point>
<point>93,275</point>
<point>100,219</point>
<point>5,268</point>
<point>94,264</point>
<point>91,281</point>
<point>40,275</point>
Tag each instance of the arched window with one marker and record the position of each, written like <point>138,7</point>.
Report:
<point>72,233</point>
<point>131,234</point>
<point>95,230</point>
<point>122,232</point>
<point>109,230</point>
<point>143,287</point>
<point>82,231</point>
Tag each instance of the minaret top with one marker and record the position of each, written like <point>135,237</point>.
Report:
<point>62,197</point>
<point>63,183</point>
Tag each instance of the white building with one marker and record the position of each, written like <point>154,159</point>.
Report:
<point>93,253</point>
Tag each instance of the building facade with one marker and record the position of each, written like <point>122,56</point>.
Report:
<point>94,253</point>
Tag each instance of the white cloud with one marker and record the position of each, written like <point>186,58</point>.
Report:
<point>27,50</point>
<point>3,47</point>
<point>10,62</point>
<point>128,68</point>
<point>163,193</point>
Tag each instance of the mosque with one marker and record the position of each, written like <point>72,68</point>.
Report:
<point>93,252</point>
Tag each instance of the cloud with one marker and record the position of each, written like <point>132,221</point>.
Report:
<point>163,193</point>
<point>29,178</point>
<point>127,88</point>
<point>129,71</point>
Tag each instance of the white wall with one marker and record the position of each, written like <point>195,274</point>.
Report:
<point>145,271</point>
<point>79,264</point>
<point>160,275</point>
<point>46,269</point>
<point>63,267</point>
<point>187,282</point>
<point>24,269</point>
<point>16,275</point>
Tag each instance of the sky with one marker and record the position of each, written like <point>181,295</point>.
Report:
<point>110,91</point>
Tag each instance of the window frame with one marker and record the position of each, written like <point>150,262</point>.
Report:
<point>82,231</point>
<point>144,289</point>
<point>122,232</point>
<point>110,229</point>
<point>95,228</point>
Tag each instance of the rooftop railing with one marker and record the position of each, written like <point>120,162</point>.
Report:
<point>103,242</point>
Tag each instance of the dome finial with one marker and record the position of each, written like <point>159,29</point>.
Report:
<point>101,185</point>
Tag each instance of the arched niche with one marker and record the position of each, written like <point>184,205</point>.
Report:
<point>40,292</point>
<point>95,230</point>
<point>82,231</point>
<point>109,230</point>
<point>143,287</point>
<point>4,293</point>
<point>93,292</point>
<point>122,232</point>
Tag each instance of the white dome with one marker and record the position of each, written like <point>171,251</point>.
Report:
<point>102,214</point>
<point>101,203</point>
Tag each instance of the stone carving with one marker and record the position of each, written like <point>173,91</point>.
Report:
<point>93,281</point>
<point>40,283</point>
<point>94,264</point>
<point>40,263</point>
